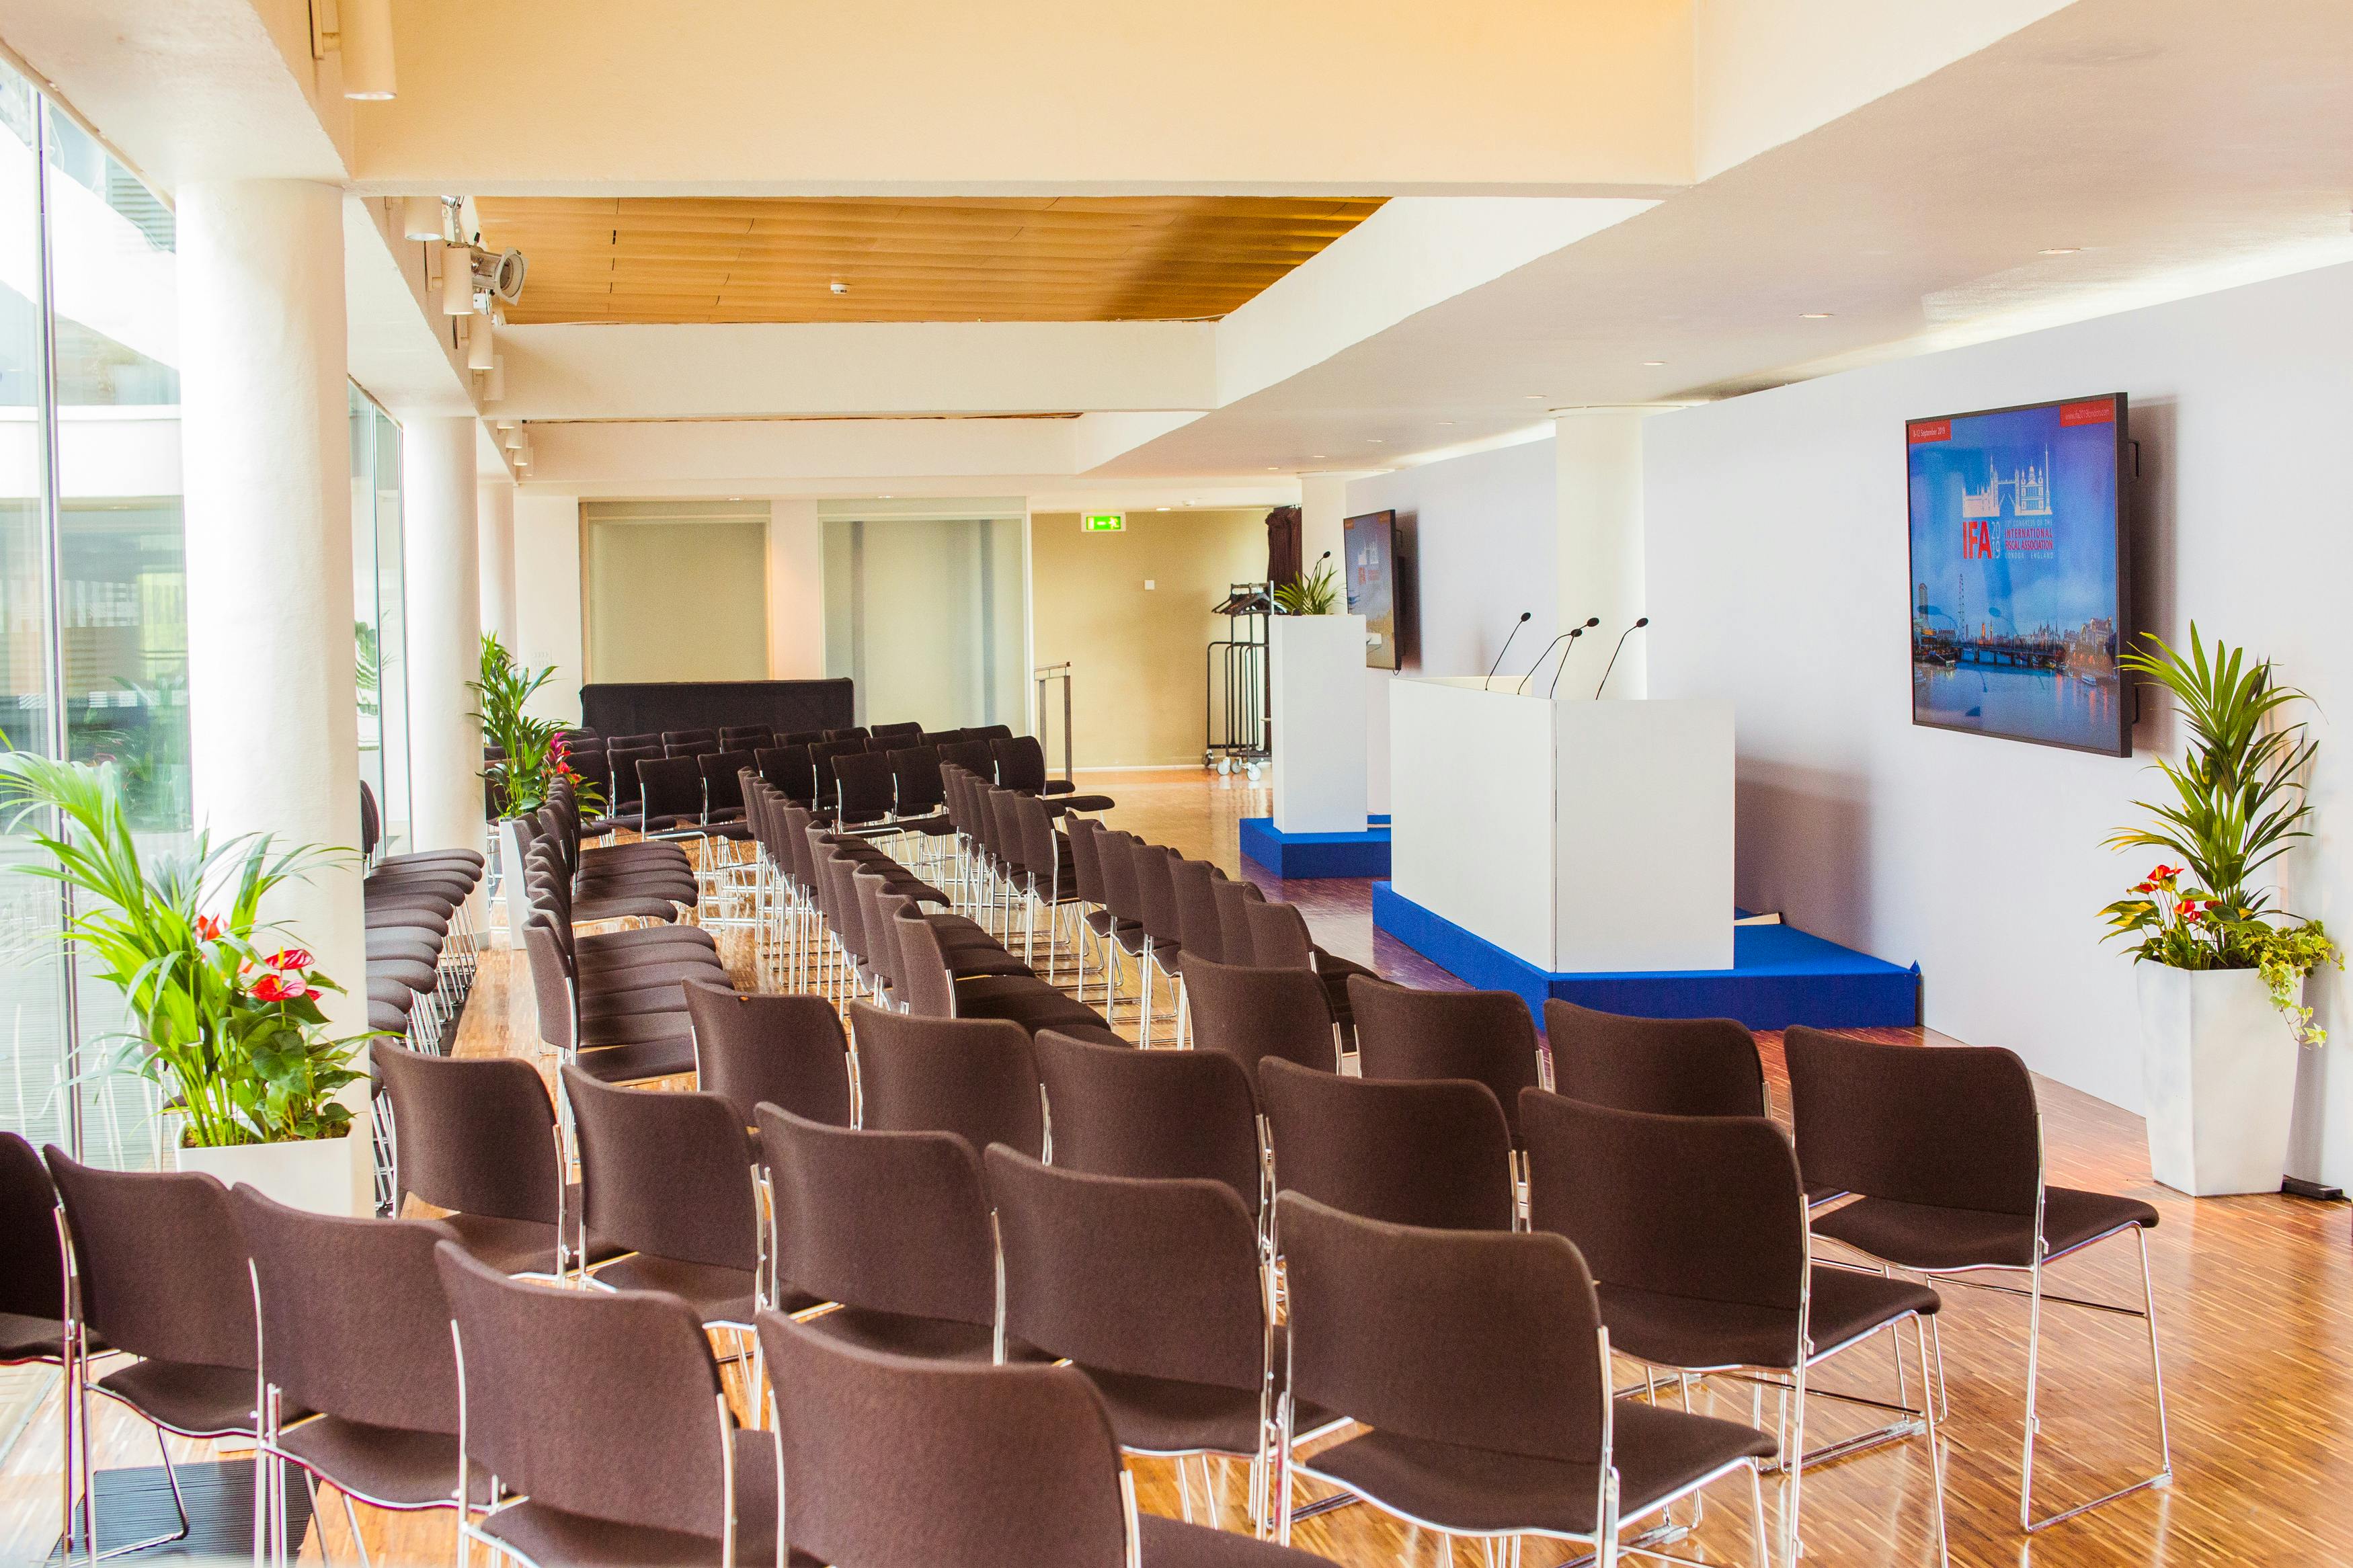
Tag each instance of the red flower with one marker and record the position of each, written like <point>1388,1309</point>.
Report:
<point>292,958</point>
<point>209,928</point>
<point>276,987</point>
<point>2144,887</point>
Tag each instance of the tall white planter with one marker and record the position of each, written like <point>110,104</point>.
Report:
<point>2219,1066</point>
<point>1322,753</point>
<point>325,1176</point>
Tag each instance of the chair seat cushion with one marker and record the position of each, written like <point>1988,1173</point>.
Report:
<point>523,1245</point>
<point>1916,1236</point>
<point>588,912</point>
<point>718,1294</point>
<point>599,944</point>
<point>1658,1453</point>
<point>1165,1415</point>
<point>934,1338</point>
<point>554,1538</point>
<point>1032,1004</point>
<point>383,1465</point>
<point>188,1397</point>
<point>418,948</point>
<point>24,1338</point>
<point>634,1061</point>
<point>1684,1331</point>
<point>1173,1544</point>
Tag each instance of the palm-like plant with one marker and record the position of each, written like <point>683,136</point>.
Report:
<point>1317,594</point>
<point>235,1039</point>
<point>531,757</point>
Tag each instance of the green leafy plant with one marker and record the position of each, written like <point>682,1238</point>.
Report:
<point>369,669</point>
<point>1317,594</point>
<point>2238,804</point>
<point>531,758</point>
<point>233,1036</point>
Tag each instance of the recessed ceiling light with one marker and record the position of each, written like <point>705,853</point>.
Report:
<point>2061,250</point>
<point>1446,421</point>
<point>1272,469</point>
<point>1314,456</point>
<point>734,498</point>
<point>1654,363</point>
<point>1814,316</point>
<point>1376,440</point>
<point>1160,509</point>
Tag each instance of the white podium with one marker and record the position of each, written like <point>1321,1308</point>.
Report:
<point>1317,670</point>
<point>1577,835</point>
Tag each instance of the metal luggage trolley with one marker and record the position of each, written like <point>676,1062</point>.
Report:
<point>1238,697</point>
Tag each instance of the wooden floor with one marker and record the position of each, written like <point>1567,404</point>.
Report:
<point>2254,1301</point>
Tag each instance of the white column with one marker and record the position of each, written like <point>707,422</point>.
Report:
<point>547,598</point>
<point>795,591</point>
<point>1599,451</point>
<point>441,552</point>
<point>266,444</point>
<point>494,507</point>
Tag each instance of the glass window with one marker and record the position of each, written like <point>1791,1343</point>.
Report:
<point>378,603</point>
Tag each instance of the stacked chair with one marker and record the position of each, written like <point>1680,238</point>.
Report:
<point>422,943</point>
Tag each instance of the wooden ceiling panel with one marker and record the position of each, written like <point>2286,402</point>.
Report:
<point>943,260</point>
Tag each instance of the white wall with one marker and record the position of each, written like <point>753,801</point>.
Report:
<point>1481,531</point>
<point>795,591</point>
<point>1777,561</point>
<point>548,597</point>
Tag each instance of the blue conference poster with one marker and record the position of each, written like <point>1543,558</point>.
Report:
<point>2016,586</point>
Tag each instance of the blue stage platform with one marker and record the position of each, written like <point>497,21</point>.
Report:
<point>1780,976</point>
<point>1308,857</point>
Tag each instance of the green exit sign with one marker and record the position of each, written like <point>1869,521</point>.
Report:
<point>1103,522</point>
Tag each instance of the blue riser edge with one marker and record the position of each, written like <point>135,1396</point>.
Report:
<point>1312,857</point>
<point>1780,976</point>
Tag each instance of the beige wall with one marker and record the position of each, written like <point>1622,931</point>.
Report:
<point>675,598</point>
<point>1139,656</point>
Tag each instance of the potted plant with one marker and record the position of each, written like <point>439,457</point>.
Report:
<point>531,757</point>
<point>2219,974</point>
<point>225,1014</point>
<point>1317,594</point>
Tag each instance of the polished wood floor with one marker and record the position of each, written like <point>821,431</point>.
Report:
<point>2254,1300</point>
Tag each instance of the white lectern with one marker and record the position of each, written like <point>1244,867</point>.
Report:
<point>1317,675</point>
<point>1580,837</point>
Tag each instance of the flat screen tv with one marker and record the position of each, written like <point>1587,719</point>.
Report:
<point>1370,545</point>
<point>2021,595</point>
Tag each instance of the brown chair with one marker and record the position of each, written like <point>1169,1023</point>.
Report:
<point>1163,948</point>
<point>976,1078</point>
<point>1435,1153</point>
<point>783,1051</point>
<point>1481,1365</point>
<point>1694,1227</point>
<point>1154,1289</point>
<point>1483,1035</point>
<point>1118,1112</point>
<point>1234,901</point>
<point>160,1273</point>
<point>1252,1014</point>
<point>888,1461</point>
<point>1023,1000</point>
<point>354,1327</point>
<point>892,1228</point>
<point>603,1414</point>
<point>1279,939</point>
<point>666,1174</point>
<point>476,1136</point>
<point>1944,1146</point>
<point>35,1308</point>
<point>1667,1067</point>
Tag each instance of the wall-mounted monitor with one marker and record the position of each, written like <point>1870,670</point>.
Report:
<point>2020,588</point>
<point>1373,590</point>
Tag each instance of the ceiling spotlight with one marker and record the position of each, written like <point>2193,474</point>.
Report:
<point>363,37</point>
<point>838,287</point>
<point>456,280</point>
<point>2060,250</point>
<point>1813,315</point>
<point>478,342</point>
<point>1536,397</point>
<point>420,218</point>
<point>1654,363</point>
<point>494,385</point>
<point>514,437</point>
<point>1160,509</point>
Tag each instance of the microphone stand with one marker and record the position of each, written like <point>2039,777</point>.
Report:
<point>1569,637</point>
<point>1629,632</point>
<point>1590,622</point>
<point>1524,614</point>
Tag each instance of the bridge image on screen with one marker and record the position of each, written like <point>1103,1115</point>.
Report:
<point>2017,584</point>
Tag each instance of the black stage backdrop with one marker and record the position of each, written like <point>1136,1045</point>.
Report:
<point>783,706</point>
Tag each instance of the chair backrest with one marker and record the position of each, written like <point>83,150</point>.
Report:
<point>1487,1340</point>
<point>651,738</point>
<point>371,823</point>
<point>1254,1013</point>
<point>1432,1154</point>
<point>1279,935</point>
<point>1195,884</point>
<point>667,1171</point>
<point>1236,898</point>
<point>1156,892</point>
<point>879,909</point>
<point>722,789</point>
<point>1705,1208</point>
<point>672,788</point>
<point>789,768</point>
<point>884,1221</point>
<point>474,1134</point>
<point>991,732</point>
<point>747,738</point>
<point>821,756</point>
<point>159,1261</point>
<point>1944,1126</point>
<point>33,1284</point>
<point>1086,863</point>
<point>976,1078</point>
<point>1668,1067</point>
<point>603,1403</point>
<point>786,1050</point>
<point>865,785</point>
<point>915,781</point>
<point>626,789</point>
<point>354,1322</point>
<point>895,733</point>
<point>1020,764</point>
<point>1153,1114</point>
<point>852,732</point>
<point>1152,1279</point>
<point>675,739</point>
<point>924,983</point>
<point>889,1459</point>
<point>977,757</point>
<point>1402,1033</point>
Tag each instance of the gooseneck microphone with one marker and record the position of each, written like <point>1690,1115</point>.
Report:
<point>1590,622</point>
<point>1629,632</point>
<point>1569,637</point>
<point>1525,617</point>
